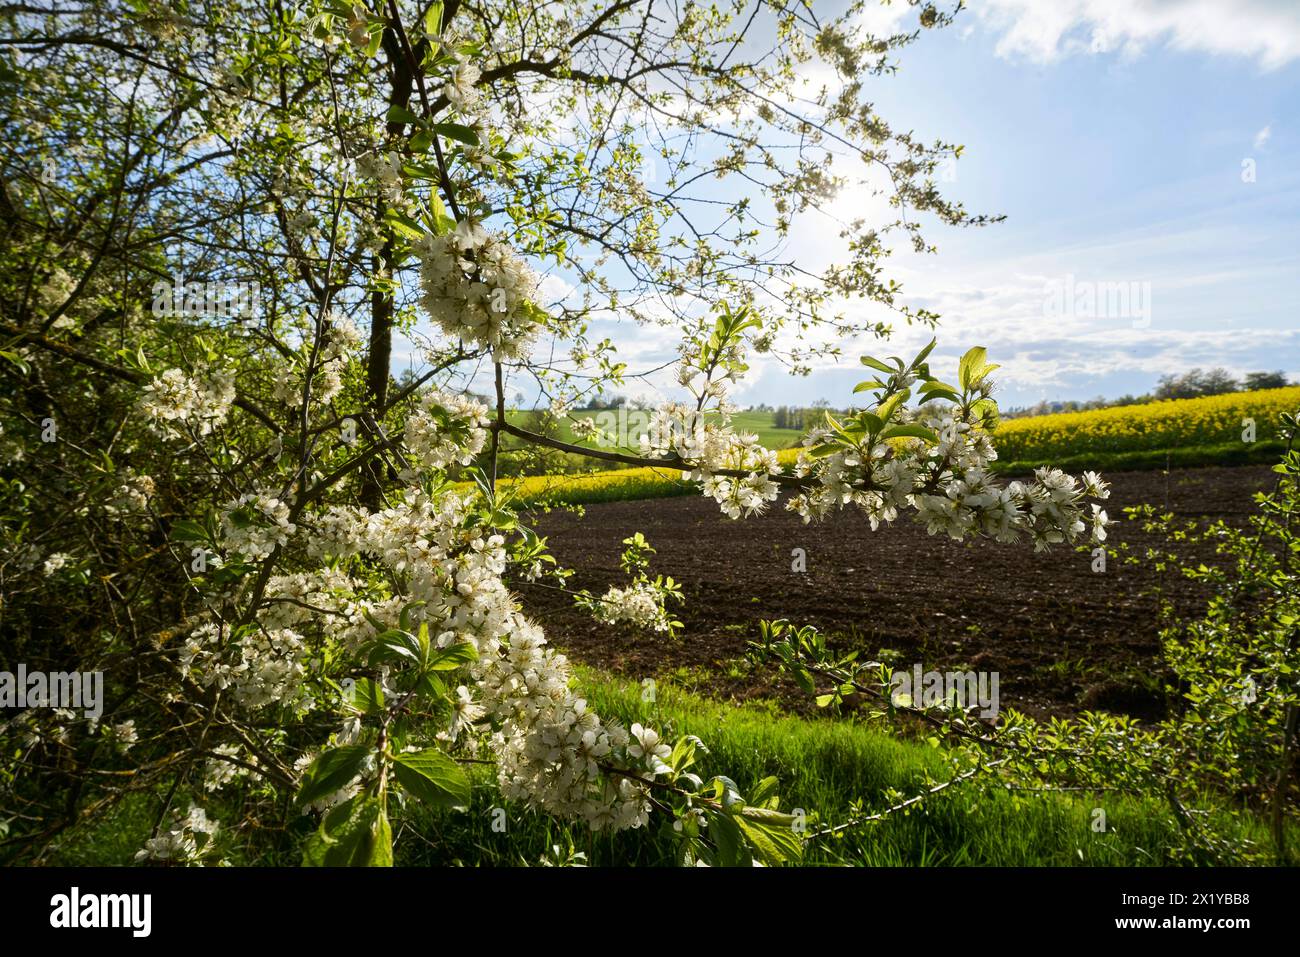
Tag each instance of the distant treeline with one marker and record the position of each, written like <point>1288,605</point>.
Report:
<point>1189,385</point>
<point>794,417</point>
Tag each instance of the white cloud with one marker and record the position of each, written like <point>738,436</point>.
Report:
<point>1267,31</point>
<point>884,19</point>
<point>1142,302</point>
<point>1263,136</point>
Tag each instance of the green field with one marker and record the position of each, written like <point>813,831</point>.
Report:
<point>758,422</point>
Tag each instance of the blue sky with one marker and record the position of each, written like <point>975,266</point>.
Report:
<point>1121,165</point>
<point>1145,148</point>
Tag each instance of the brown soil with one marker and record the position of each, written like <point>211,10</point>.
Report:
<point>1062,637</point>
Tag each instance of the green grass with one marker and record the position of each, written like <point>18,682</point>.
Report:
<point>768,434</point>
<point>823,765</point>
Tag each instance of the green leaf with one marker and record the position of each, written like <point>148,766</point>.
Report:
<point>935,385</point>
<point>403,224</point>
<point>911,431</point>
<point>434,778</point>
<point>886,409</point>
<point>452,657</point>
<point>405,617</point>
<point>975,357</point>
<point>868,385</point>
<point>433,18</point>
<point>803,679</point>
<point>921,356</point>
<point>400,114</point>
<point>354,834</point>
<point>771,835</point>
<point>394,645</point>
<point>974,367</point>
<point>188,531</point>
<point>367,696</point>
<point>332,771</point>
<point>457,131</point>
<point>727,791</point>
<point>729,840</point>
<point>871,422</point>
<point>987,410</point>
<point>765,789</point>
<point>421,141</point>
<point>18,361</point>
<point>878,365</point>
<point>433,689</point>
<point>381,841</point>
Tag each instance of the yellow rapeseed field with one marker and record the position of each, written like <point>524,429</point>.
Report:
<point>1176,424</point>
<point>1171,424</point>
<point>611,486</point>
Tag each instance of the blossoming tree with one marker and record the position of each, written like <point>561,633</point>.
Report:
<point>296,571</point>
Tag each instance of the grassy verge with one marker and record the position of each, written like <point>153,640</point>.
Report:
<point>823,765</point>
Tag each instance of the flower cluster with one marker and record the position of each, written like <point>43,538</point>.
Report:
<point>122,735</point>
<point>734,468</point>
<point>385,168</point>
<point>937,461</point>
<point>461,90</point>
<point>949,485</point>
<point>341,339</point>
<point>447,568</point>
<point>477,289</point>
<point>264,666</point>
<point>187,842</point>
<point>712,446</point>
<point>174,402</point>
<point>55,562</point>
<point>132,496</point>
<point>550,747</point>
<point>253,525</point>
<point>640,604</point>
<point>218,772</point>
<point>298,600</point>
<point>446,429</point>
